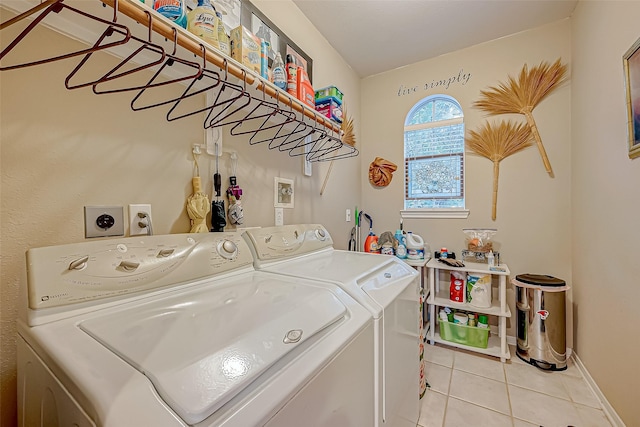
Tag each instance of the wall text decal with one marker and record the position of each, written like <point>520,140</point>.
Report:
<point>462,78</point>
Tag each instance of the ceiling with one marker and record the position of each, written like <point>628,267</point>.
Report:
<point>374,36</point>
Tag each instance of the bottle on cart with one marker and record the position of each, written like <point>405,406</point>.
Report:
<point>401,249</point>
<point>491,259</point>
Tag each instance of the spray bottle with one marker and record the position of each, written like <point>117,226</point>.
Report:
<point>174,10</point>
<point>279,73</point>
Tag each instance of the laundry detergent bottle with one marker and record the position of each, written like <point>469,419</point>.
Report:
<point>401,250</point>
<point>415,246</point>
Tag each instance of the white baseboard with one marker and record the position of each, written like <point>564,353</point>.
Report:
<point>608,410</point>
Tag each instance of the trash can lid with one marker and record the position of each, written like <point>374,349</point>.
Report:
<point>540,280</point>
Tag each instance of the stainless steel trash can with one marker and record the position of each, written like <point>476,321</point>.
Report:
<point>541,321</point>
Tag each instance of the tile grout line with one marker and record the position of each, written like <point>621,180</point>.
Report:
<point>506,384</point>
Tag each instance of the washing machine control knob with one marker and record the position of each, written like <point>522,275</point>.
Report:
<point>321,235</point>
<point>227,249</point>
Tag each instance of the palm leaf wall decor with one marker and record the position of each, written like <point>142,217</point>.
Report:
<point>497,143</point>
<point>521,96</point>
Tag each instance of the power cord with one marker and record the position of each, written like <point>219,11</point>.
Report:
<point>145,222</point>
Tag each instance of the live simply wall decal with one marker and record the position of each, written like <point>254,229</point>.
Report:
<point>461,78</point>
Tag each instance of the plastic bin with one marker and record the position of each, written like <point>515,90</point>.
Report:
<point>541,322</point>
<point>462,334</point>
<point>329,93</point>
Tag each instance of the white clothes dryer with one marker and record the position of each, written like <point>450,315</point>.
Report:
<point>385,285</point>
<point>180,330</point>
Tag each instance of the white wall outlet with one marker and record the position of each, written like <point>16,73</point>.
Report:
<point>279,216</point>
<point>348,215</point>
<point>103,221</point>
<point>136,220</point>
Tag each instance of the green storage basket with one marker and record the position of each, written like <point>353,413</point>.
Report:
<point>463,334</point>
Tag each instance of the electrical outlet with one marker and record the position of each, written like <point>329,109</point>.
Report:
<point>279,216</point>
<point>348,215</point>
<point>134,219</point>
<point>103,221</point>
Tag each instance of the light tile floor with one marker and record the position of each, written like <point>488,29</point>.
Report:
<point>473,390</point>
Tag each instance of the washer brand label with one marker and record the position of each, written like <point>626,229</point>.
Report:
<point>48,297</point>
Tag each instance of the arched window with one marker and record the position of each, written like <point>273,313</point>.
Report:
<point>434,155</point>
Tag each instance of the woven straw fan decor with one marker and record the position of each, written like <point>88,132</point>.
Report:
<point>347,136</point>
<point>497,143</point>
<point>521,96</point>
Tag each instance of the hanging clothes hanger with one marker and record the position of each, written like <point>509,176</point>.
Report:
<point>309,143</point>
<point>280,141</point>
<point>264,112</point>
<point>209,79</point>
<point>335,149</point>
<point>194,68</point>
<point>56,7</point>
<point>220,111</point>
<point>119,71</point>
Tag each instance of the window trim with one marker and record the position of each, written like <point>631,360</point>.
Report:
<point>427,213</point>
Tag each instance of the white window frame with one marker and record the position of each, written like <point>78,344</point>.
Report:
<point>436,213</point>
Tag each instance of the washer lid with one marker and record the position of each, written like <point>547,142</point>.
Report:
<point>540,280</point>
<point>201,348</point>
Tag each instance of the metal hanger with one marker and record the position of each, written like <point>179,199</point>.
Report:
<point>171,61</point>
<point>114,73</point>
<point>57,7</point>
<point>196,87</point>
<point>282,141</point>
<point>263,113</point>
<point>220,111</point>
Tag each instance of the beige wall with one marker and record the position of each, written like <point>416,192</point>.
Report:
<point>62,150</point>
<point>534,211</point>
<point>605,204</point>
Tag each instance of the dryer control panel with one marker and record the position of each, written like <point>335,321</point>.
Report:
<point>94,270</point>
<point>275,243</point>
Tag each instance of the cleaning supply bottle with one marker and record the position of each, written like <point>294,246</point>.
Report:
<point>415,246</point>
<point>292,76</point>
<point>223,38</point>
<point>279,73</point>
<point>491,262</point>
<point>264,58</point>
<point>401,250</point>
<point>174,10</point>
<point>203,22</point>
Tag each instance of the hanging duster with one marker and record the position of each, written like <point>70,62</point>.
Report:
<point>234,192</point>
<point>218,219</point>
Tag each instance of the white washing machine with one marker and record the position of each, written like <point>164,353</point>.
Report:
<point>385,285</point>
<point>181,330</point>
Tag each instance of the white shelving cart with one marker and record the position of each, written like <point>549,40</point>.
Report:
<point>438,296</point>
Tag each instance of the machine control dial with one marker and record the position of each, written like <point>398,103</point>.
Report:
<point>164,253</point>
<point>321,234</point>
<point>129,265</point>
<point>79,263</point>
<point>227,249</point>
